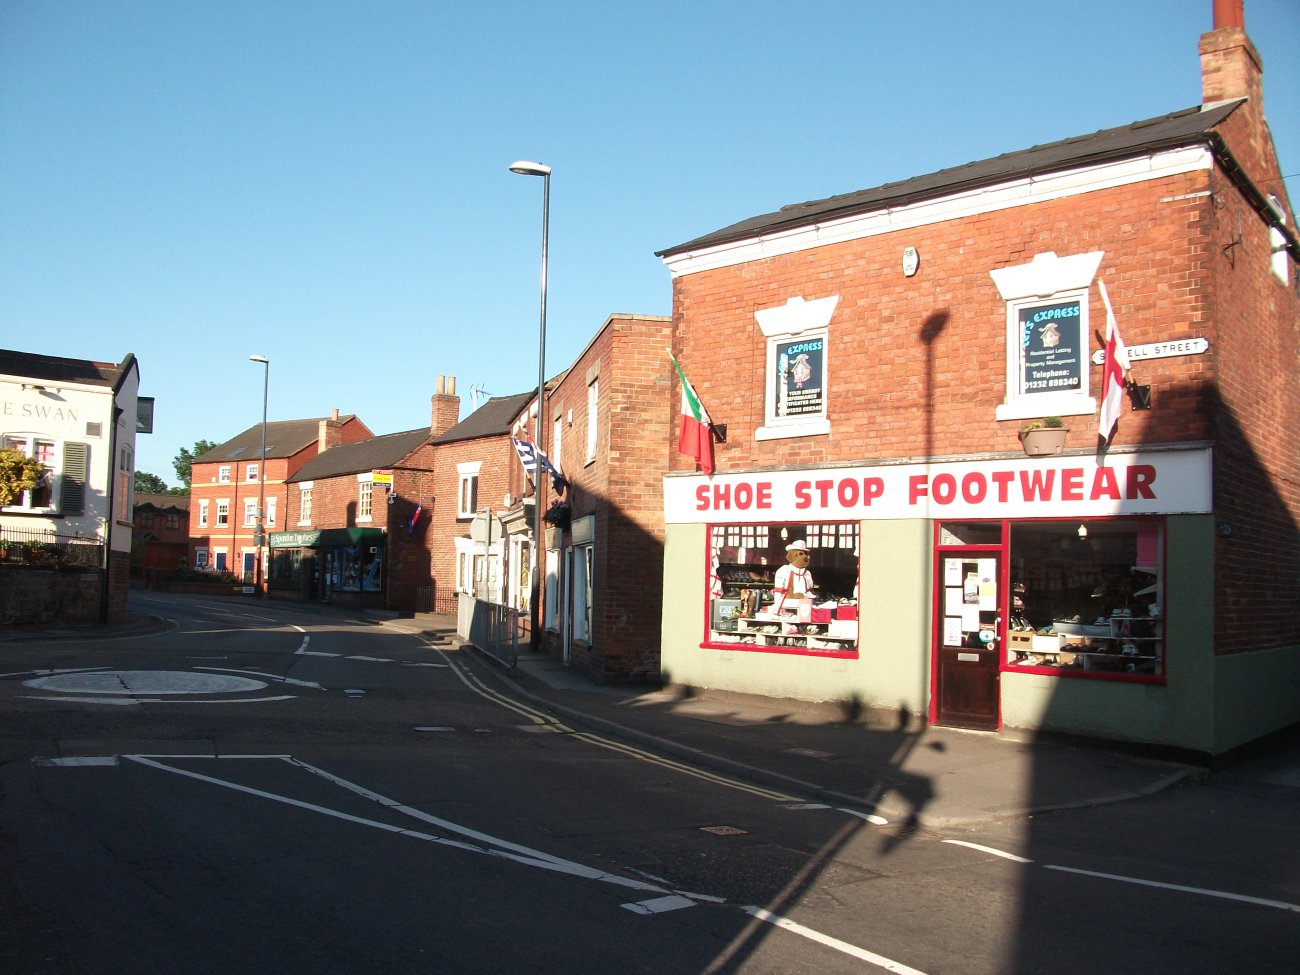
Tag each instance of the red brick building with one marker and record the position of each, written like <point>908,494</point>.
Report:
<point>160,534</point>
<point>357,529</point>
<point>874,357</point>
<point>605,418</point>
<point>476,470</point>
<point>227,483</point>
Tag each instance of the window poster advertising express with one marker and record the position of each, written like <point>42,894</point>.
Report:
<point>799,370</point>
<point>1050,337</point>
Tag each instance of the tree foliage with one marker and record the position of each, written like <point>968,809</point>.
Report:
<point>146,483</point>
<point>18,473</point>
<point>184,461</point>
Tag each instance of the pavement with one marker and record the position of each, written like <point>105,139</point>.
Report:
<point>906,771</point>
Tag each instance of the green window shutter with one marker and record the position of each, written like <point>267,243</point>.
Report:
<point>72,497</point>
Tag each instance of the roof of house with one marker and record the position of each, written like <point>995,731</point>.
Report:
<point>162,502</point>
<point>1188,127</point>
<point>284,438</point>
<point>376,453</point>
<point>52,368</point>
<point>492,419</point>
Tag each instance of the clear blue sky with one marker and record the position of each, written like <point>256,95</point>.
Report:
<point>325,183</point>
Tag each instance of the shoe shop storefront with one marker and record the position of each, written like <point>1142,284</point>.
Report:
<point>1065,593</point>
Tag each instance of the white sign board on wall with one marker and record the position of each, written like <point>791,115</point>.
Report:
<point>1154,482</point>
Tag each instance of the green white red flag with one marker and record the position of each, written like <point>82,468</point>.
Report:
<point>696,436</point>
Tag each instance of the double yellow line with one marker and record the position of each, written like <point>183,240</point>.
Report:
<point>475,684</point>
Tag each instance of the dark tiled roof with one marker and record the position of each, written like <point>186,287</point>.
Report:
<point>284,438</point>
<point>162,502</point>
<point>492,419</point>
<point>1189,127</point>
<point>376,453</point>
<point>55,369</point>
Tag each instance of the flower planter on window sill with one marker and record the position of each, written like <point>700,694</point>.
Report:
<point>1043,441</point>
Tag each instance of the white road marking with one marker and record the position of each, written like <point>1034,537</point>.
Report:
<point>133,683</point>
<point>76,762</point>
<point>988,849</point>
<point>493,846</point>
<point>1261,901</point>
<point>872,818</point>
<point>46,672</point>
<point>853,950</point>
<point>888,964</point>
<point>132,701</point>
<point>659,905</point>
<point>378,660</point>
<point>271,677</point>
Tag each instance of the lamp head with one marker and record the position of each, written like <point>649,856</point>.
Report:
<point>525,168</point>
<point>259,358</point>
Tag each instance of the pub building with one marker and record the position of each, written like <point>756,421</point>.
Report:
<point>884,363</point>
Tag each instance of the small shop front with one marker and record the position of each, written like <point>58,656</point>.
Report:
<point>343,566</point>
<point>1033,593</point>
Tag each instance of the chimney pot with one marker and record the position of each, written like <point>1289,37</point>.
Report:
<point>1229,13</point>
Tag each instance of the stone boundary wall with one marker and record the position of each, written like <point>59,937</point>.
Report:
<point>35,596</point>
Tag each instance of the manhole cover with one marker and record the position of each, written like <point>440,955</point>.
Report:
<point>724,830</point>
<point>131,682</point>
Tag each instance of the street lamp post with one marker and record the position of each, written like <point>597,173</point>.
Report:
<point>259,539</point>
<point>525,168</point>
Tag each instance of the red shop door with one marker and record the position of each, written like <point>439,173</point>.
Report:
<point>968,637</point>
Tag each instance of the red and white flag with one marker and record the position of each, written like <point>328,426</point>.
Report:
<point>696,436</point>
<point>1113,369</point>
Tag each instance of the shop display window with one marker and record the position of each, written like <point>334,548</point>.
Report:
<point>1087,597</point>
<point>784,588</point>
<point>358,568</point>
<point>286,568</point>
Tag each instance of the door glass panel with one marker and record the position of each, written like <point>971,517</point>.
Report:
<point>970,602</point>
<point>970,533</point>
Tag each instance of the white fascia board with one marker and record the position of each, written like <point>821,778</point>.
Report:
<point>1002,196</point>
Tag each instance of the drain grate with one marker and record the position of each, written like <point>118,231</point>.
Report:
<point>724,830</point>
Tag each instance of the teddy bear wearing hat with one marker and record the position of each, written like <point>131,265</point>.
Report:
<point>793,583</point>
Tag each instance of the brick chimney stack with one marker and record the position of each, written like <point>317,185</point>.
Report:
<point>445,412</point>
<point>1230,65</point>
<point>1231,68</point>
<point>327,434</point>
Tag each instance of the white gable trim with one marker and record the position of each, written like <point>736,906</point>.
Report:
<point>1002,196</point>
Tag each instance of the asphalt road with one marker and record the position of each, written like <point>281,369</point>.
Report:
<point>260,789</point>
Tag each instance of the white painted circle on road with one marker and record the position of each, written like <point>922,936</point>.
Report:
<point>131,682</point>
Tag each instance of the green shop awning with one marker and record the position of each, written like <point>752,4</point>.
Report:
<point>328,537</point>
